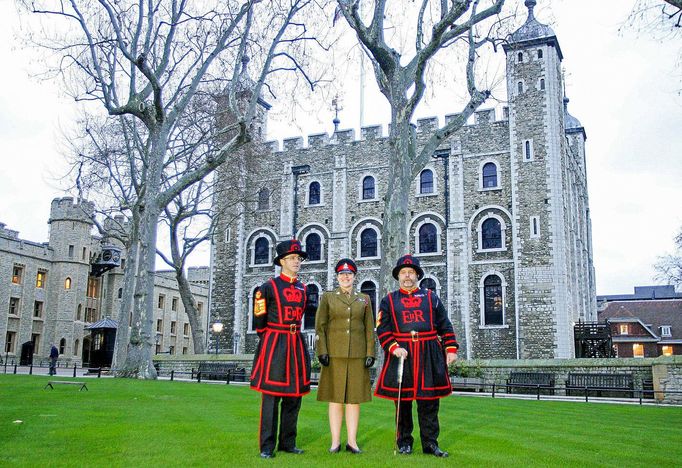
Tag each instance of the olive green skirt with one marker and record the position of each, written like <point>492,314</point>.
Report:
<point>344,381</point>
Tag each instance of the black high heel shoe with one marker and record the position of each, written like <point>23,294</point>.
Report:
<point>335,450</point>
<point>352,450</point>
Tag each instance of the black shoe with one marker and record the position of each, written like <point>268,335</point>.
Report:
<point>352,450</point>
<point>335,450</point>
<point>436,451</point>
<point>267,455</point>
<point>405,450</point>
<point>295,450</point>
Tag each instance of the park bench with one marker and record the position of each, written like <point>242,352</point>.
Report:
<point>521,382</point>
<point>600,384</point>
<point>222,371</point>
<point>52,383</point>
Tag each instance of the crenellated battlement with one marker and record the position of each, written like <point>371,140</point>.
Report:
<point>376,132</point>
<point>9,233</point>
<point>65,209</point>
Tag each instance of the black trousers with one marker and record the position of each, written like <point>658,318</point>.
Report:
<point>429,428</point>
<point>269,415</point>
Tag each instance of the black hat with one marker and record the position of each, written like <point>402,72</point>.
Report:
<point>408,261</point>
<point>346,265</point>
<point>289,247</point>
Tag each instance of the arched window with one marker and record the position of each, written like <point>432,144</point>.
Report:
<point>542,84</point>
<point>426,181</point>
<point>120,293</point>
<point>368,188</point>
<point>313,293</point>
<point>428,238</point>
<point>67,283</point>
<point>62,345</point>
<point>313,246</point>
<point>489,175</point>
<point>369,288</point>
<point>428,283</point>
<point>76,345</point>
<point>491,234</point>
<point>539,53</point>
<point>520,57</point>
<point>79,311</point>
<point>519,86</point>
<point>528,150</point>
<point>263,199</point>
<point>261,251</point>
<point>493,302</point>
<point>314,194</point>
<point>368,243</point>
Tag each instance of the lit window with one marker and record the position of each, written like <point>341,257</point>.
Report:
<point>492,297</point>
<point>667,350</point>
<point>491,234</point>
<point>428,238</point>
<point>426,181</point>
<point>313,247</point>
<point>368,188</point>
<point>624,329</point>
<point>17,274</point>
<point>40,279</point>
<point>489,175</point>
<point>368,243</point>
<point>67,283</point>
<point>637,350</point>
<point>93,287</point>
<point>314,194</point>
<point>261,254</point>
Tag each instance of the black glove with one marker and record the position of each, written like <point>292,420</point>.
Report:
<point>369,361</point>
<point>324,359</point>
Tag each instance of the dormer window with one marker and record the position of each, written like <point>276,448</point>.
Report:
<point>624,329</point>
<point>666,330</point>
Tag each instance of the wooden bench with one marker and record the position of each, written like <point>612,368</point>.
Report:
<point>221,371</point>
<point>600,384</point>
<point>523,381</point>
<point>52,383</point>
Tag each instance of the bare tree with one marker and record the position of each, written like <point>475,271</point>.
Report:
<point>669,267</point>
<point>403,82</point>
<point>661,18</point>
<point>146,61</point>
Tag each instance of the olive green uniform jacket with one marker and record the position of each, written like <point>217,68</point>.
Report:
<point>345,331</point>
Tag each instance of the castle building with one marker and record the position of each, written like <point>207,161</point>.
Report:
<point>53,292</point>
<point>499,218</point>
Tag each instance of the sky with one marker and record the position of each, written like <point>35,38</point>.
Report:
<point>624,87</point>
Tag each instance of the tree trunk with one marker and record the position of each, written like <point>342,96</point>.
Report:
<point>191,311</point>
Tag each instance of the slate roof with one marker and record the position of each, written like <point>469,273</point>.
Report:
<point>104,323</point>
<point>653,314</point>
<point>533,32</point>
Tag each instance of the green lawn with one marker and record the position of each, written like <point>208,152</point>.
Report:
<point>137,423</point>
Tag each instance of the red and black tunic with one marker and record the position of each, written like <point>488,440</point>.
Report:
<point>281,365</point>
<point>418,322</point>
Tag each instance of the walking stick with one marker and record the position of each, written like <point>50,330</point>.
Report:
<point>397,410</point>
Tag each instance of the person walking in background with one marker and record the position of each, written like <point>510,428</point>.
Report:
<point>412,324</point>
<point>344,325</point>
<point>281,364</point>
<point>54,355</point>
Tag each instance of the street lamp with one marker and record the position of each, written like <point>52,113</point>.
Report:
<point>217,329</point>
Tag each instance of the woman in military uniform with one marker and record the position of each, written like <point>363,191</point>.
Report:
<point>345,348</point>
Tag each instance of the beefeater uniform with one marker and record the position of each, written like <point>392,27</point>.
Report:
<point>418,322</point>
<point>281,365</point>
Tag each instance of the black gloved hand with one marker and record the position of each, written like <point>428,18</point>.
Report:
<point>369,361</point>
<point>324,359</point>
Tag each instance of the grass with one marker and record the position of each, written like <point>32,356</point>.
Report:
<point>159,423</point>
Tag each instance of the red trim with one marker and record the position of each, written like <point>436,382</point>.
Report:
<point>451,349</point>
<point>287,279</point>
<point>433,312</point>
<point>277,300</point>
<point>297,394</point>
<point>405,291</point>
<point>392,347</point>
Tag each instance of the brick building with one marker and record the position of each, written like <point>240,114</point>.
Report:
<point>51,292</point>
<point>499,217</point>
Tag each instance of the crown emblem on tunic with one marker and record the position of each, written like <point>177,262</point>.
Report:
<point>292,294</point>
<point>411,302</point>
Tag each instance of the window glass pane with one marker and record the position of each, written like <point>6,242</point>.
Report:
<point>369,288</point>
<point>426,181</point>
<point>368,243</point>
<point>261,251</point>
<point>314,194</point>
<point>428,283</point>
<point>311,307</point>
<point>313,247</point>
<point>491,234</point>
<point>368,188</point>
<point>492,295</point>
<point>263,199</point>
<point>428,238</point>
<point>489,175</point>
